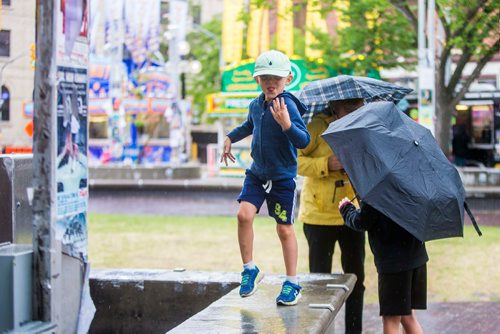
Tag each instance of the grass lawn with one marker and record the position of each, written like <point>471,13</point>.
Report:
<point>460,269</point>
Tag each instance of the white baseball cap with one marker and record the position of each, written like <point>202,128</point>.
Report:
<point>272,63</point>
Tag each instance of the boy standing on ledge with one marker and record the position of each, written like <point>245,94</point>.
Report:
<point>274,119</point>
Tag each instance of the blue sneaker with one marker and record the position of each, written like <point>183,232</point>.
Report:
<point>290,294</point>
<point>249,280</point>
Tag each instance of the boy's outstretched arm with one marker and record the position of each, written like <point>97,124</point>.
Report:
<point>226,151</point>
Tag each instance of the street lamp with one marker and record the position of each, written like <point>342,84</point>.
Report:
<point>216,39</point>
<point>180,63</point>
<point>183,48</point>
<point>426,64</point>
<point>192,66</point>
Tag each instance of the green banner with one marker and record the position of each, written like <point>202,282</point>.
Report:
<point>239,78</point>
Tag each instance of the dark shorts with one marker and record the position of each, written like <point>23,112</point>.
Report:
<point>403,291</point>
<point>280,196</point>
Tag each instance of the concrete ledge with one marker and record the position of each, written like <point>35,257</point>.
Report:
<point>260,314</point>
<point>480,181</point>
<point>152,301</point>
<point>157,301</point>
<point>156,172</point>
<point>206,184</point>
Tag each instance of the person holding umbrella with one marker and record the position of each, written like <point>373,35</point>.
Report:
<point>400,259</point>
<point>325,183</point>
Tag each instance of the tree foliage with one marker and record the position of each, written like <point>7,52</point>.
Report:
<point>205,47</point>
<point>372,35</point>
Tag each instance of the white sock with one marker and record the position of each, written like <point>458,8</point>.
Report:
<point>249,265</point>
<point>292,279</point>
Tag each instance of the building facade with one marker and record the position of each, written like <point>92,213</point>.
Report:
<point>17,35</point>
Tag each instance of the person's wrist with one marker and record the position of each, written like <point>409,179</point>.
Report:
<point>344,202</point>
<point>342,205</point>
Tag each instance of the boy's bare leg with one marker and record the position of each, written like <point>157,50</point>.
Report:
<point>411,324</point>
<point>391,324</point>
<point>289,246</point>
<point>246,214</point>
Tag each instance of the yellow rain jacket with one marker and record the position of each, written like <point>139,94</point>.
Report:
<point>319,199</point>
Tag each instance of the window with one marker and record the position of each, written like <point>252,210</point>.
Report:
<point>5,2</point>
<point>5,104</point>
<point>4,43</point>
<point>482,124</point>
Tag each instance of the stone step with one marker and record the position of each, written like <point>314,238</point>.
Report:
<point>322,297</point>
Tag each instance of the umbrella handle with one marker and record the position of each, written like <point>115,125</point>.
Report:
<point>341,183</point>
<point>338,183</point>
<point>354,189</point>
<point>474,223</point>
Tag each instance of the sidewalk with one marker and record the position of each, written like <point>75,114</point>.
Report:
<point>439,318</point>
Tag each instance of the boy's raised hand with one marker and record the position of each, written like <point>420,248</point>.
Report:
<point>226,151</point>
<point>280,113</point>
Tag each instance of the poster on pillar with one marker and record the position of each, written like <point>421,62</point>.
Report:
<point>71,162</point>
<point>72,59</point>
<point>426,105</point>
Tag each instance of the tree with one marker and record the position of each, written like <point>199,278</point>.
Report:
<point>471,32</point>
<point>205,47</point>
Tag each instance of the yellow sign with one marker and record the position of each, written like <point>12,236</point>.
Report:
<point>221,104</point>
<point>33,55</point>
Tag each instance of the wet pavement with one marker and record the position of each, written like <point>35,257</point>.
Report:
<point>439,318</point>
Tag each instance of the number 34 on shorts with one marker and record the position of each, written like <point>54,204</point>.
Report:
<point>281,214</point>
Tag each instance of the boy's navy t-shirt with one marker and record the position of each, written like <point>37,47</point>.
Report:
<point>394,249</point>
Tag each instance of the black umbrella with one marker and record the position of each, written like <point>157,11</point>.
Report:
<point>317,94</point>
<point>396,166</point>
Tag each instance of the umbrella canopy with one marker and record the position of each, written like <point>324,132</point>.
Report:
<point>317,94</point>
<point>396,166</point>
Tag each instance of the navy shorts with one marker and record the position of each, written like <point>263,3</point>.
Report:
<point>280,196</point>
<point>401,292</point>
